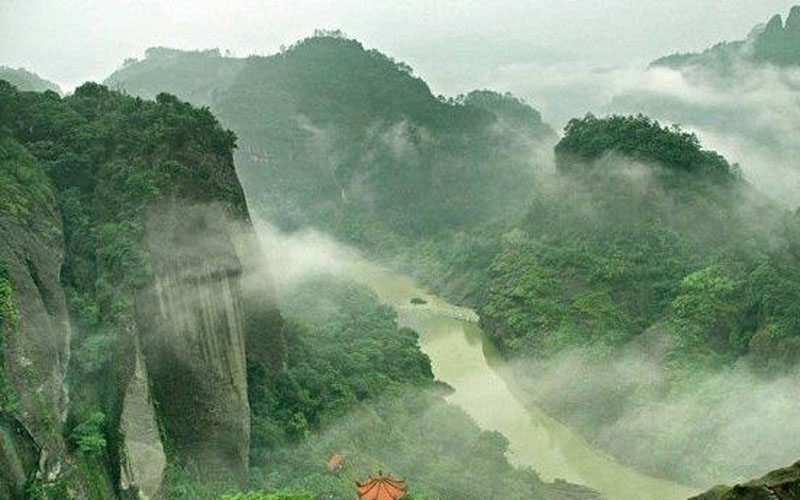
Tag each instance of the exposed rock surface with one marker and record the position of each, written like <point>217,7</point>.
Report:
<point>19,458</point>
<point>142,454</point>
<point>774,42</point>
<point>35,348</point>
<point>193,333</point>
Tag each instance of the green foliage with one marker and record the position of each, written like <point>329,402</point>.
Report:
<point>414,435</point>
<point>642,139</point>
<point>89,436</point>
<point>102,161</point>
<point>25,190</point>
<point>344,347</point>
<point>358,385</point>
<point>337,136</point>
<point>8,321</point>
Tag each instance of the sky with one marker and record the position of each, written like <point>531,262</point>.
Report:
<point>455,45</point>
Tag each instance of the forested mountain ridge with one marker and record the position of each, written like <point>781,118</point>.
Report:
<point>332,134</point>
<point>192,76</point>
<point>344,139</point>
<point>642,246</point>
<point>648,253</point>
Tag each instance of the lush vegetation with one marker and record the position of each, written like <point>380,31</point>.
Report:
<point>639,138</point>
<point>345,139</point>
<point>642,239</point>
<point>627,250</point>
<point>612,248</point>
<point>344,348</point>
<point>350,140</point>
<point>8,318</point>
<point>358,386</point>
<point>92,164</point>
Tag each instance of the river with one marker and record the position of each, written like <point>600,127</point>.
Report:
<point>463,358</point>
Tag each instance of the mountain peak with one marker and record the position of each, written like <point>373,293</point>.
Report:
<point>774,43</point>
<point>793,21</point>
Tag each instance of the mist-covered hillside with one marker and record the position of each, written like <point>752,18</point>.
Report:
<point>646,273</point>
<point>240,278</point>
<point>775,43</point>
<point>143,351</point>
<point>26,81</point>
<point>341,137</point>
<point>740,97</point>
<point>121,218</point>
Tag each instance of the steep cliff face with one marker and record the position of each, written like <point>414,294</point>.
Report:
<point>192,325</point>
<point>142,457</point>
<point>33,316</point>
<point>19,457</point>
<point>129,214</point>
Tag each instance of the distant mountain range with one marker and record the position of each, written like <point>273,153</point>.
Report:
<point>26,81</point>
<point>775,42</point>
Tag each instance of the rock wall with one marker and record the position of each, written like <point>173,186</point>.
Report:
<point>192,327</point>
<point>36,343</point>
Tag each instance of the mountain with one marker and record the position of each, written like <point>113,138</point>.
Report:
<point>739,97</point>
<point>144,352</point>
<point>27,81</point>
<point>779,484</point>
<point>644,273</point>
<point>349,141</point>
<point>332,134</point>
<point>192,76</point>
<point>644,255</point>
<point>774,43</point>
<point>122,225</point>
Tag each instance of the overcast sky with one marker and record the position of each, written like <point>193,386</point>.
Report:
<point>447,41</point>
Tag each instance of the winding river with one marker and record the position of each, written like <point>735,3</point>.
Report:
<point>464,359</point>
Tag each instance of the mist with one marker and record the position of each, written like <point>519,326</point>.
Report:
<point>751,117</point>
<point>698,430</point>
